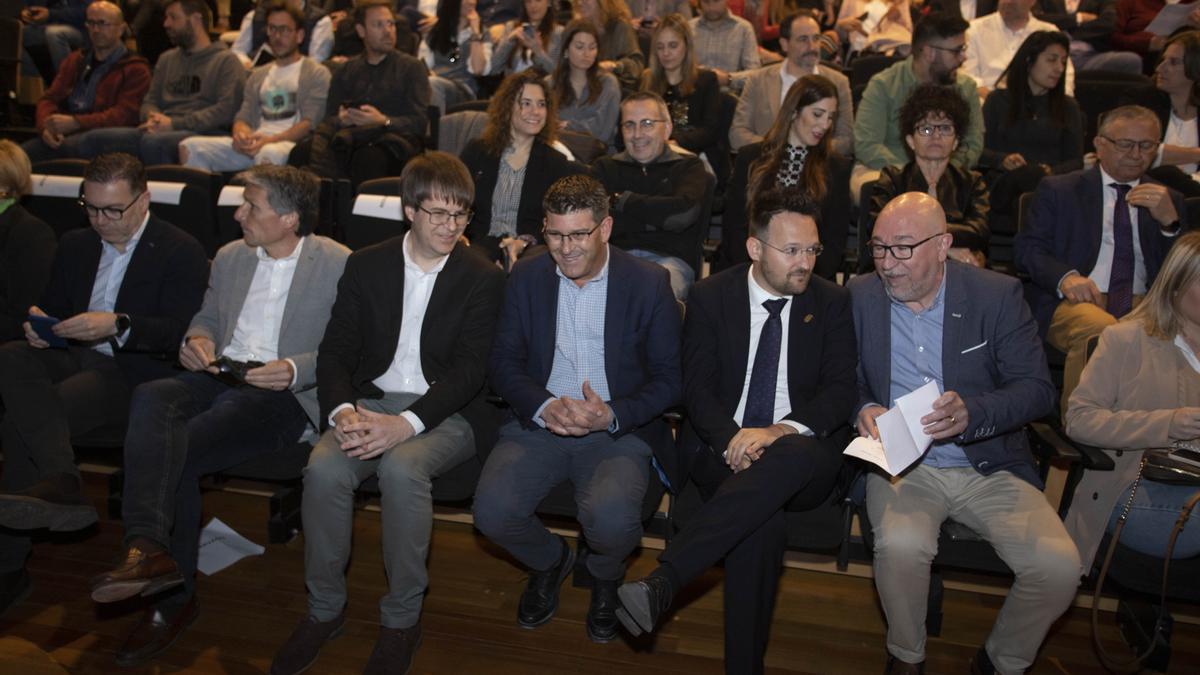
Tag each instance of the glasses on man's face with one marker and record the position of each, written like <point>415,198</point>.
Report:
<point>943,130</point>
<point>442,216</point>
<point>645,125</point>
<point>280,29</point>
<point>898,251</point>
<point>1127,145</point>
<point>793,251</point>
<point>110,212</point>
<point>557,238</point>
<point>960,50</point>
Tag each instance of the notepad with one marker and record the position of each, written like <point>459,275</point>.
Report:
<point>902,438</point>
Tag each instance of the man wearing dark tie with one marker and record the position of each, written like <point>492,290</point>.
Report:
<point>769,357</point>
<point>1096,238</point>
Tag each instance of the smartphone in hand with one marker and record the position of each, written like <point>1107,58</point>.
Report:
<point>42,325</point>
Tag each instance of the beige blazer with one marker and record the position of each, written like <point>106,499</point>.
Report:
<point>1125,398</point>
<point>759,105</point>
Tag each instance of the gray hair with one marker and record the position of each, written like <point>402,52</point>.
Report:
<point>289,190</point>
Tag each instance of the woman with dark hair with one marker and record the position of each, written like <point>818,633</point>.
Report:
<point>795,153</point>
<point>589,99</point>
<point>456,50</point>
<point>933,119</point>
<point>692,93</point>
<point>617,41</point>
<point>1031,127</point>
<point>532,41</point>
<point>1175,98</point>
<point>513,165</point>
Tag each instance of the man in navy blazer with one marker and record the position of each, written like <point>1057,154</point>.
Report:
<point>922,319</point>
<point>125,290</point>
<point>769,327</point>
<point>1075,255</point>
<point>587,356</point>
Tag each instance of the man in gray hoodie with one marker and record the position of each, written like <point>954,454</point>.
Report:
<point>196,89</point>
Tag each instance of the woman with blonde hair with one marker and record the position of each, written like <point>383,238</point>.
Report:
<point>1141,390</point>
<point>27,244</point>
<point>589,99</point>
<point>692,93</point>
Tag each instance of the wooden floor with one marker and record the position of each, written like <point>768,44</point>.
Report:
<point>825,623</point>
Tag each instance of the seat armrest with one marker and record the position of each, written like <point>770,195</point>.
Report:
<point>1048,443</point>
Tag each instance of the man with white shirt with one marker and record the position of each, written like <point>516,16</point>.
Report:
<point>766,88</point>
<point>251,357</point>
<point>992,41</point>
<point>124,290</point>
<point>768,360</point>
<point>400,377</point>
<point>254,35</point>
<point>1097,237</point>
<point>283,102</point>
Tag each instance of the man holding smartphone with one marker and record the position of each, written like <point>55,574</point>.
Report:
<point>125,289</point>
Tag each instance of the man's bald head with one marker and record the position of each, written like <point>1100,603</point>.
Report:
<point>909,245</point>
<point>913,210</point>
<point>108,10</point>
<point>105,26</point>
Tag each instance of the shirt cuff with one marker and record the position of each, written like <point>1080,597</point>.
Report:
<point>615,425</point>
<point>537,416</point>
<point>337,410</point>
<point>417,425</point>
<point>800,428</point>
<point>295,373</point>
<point>1058,286</point>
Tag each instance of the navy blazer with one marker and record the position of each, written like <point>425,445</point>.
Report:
<point>641,346</point>
<point>991,356</point>
<point>822,355</point>
<point>161,291</point>
<point>1063,234</point>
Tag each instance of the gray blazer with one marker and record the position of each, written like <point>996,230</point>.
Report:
<point>759,106</point>
<point>314,287</point>
<point>314,89</point>
<point>991,356</point>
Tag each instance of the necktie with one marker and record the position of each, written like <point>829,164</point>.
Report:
<point>1120,283</point>
<point>760,396</point>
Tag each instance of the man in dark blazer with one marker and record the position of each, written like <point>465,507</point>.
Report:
<point>922,318</point>
<point>124,290</point>
<point>587,357</point>
<point>769,360</point>
<point>1085,271</point>
<point>400,380</point>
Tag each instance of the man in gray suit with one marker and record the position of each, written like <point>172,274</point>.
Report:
<point>920,319</point>
<point>252,356</point>
<point>766,87</point>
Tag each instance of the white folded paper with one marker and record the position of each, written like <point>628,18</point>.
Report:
<point>378,206</point>
<point>220,547</point>
<point>902,439</point>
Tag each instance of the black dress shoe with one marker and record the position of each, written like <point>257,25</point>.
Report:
<point>303,646</point>
<point>643,602</point>
<point>982,663</point>
<point>56,503</point>
<point>157,629</point>
<point>602,613</point>
<point>540,599</point>
<point>394,651</point>
<point>15,586</point>
<point>897,667</point>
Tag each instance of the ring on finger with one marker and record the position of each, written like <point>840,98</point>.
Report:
<point>952,420</point>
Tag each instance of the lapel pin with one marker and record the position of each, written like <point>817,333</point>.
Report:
<point>808,318</point>
<point>956,315</point>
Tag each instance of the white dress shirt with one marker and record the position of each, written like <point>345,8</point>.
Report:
<point>110,274</point>
<point>256,333</point>
<point>758,317</point>
<point>1183,133</point>
<point>1103,268</point>
<point>991,46</point>
<point>968,8</point>
<point>786,80</point>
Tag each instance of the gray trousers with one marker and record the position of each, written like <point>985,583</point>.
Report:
<point>405,474</point>
<point>1012,515</point>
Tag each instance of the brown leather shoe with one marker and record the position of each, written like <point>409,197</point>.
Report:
<point>154,632</point>
<point>303,646</point>
<point>393,653</point>
<point>146,571</point>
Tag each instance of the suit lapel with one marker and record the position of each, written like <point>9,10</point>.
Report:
<point>392,299</point>
<point>83,290</point>
<point>801,325</point>
<point>954,311</point>
<point>614,313</point>
<point>1092,194</point>
<point>300,282</point>
<point>737,309</point>
<point>774,91</point>
<point>144,257</point>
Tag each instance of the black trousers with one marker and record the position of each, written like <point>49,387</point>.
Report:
<point>743,521</point>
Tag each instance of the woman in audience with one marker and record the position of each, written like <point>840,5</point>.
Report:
<point>1141,390</point>
<point>456,50</point>
<point>26,244</point>
<point>1031,127</point>
<point>795,153</point>
<point>692,93</point>
<point>532,41</point>
<point>619,52</point>
<point>589,99</point>
<point>513,165</point>
<point>935,118</point>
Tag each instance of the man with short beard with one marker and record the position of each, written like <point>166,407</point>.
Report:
<point>938,50</point>
<point>196,88</point>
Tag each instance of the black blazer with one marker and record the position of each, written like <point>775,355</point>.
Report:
<point>162,289</point>
<point>822,358</point>
<point>364,329</point>
<point>962,193</point>
<point>835,212</point>
<point>545,166</point>
<point>27,246</point>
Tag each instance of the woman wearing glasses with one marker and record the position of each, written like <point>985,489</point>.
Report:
<point>589,99</point>
<point>934,119</point>
<point>456,50</point>
<point>26,244</point>
<point>532,41</point>
<point>513,164</point>
<point>795,153</point>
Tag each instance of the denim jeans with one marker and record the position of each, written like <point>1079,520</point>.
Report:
<point>682,274</point>
<point>1155,509</point>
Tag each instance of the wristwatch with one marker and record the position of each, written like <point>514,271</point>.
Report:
<point>123,324</point>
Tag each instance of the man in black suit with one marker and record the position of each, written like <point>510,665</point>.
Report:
<point>400,381</point>
<point>769,382</point>
<point>124,291</point>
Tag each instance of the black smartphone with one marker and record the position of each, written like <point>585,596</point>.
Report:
<point>42,326</point>
<point>528,30</point>
<point>233,372</point>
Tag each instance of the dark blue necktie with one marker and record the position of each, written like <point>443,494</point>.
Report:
<point>1120,281</point>
<point>760,396</point>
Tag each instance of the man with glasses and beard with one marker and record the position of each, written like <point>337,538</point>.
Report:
<point>924,319</point>
<point>120,295</point>
<point>196,89</point>
<point>938,50</point>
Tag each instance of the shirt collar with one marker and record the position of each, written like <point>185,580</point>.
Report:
<point>1105,179</point>
<point>600,276</point>
<point>410,265</point>
<point>263,255</point>
<point>758,294</point>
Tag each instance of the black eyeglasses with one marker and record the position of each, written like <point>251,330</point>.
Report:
<point>557,238</point>
<point>1125,145</point>
<point>962,50</point>
<point>110,212</point>
<point>942,130</point>
<point>898,251</point>
<point>794,251</point>
<point>441,216</point>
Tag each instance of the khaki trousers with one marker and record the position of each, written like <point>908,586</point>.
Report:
<point>1072,325</point>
